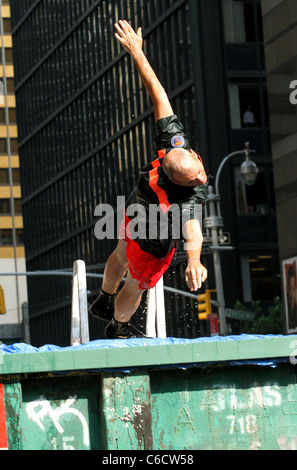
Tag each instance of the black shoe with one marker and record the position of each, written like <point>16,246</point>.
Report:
<point>103,307</point>
<point>116,330</point>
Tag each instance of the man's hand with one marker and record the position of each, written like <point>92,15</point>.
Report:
<point>130,40</point>
<point>195,275</point>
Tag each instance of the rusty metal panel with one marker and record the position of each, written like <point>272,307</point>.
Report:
<point>237,408</point>
<point>228,408</point>
<point>54,414</point>
<point>157,404</point>
<point>127,411</point>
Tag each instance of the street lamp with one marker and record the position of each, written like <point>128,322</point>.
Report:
<point>249,171</point>
<point>213,223</point>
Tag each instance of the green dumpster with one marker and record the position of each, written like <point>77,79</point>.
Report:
<point>232,393</point>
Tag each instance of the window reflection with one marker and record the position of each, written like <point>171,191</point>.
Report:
<point>243,21</point>
<point>261,276</point>
<point>258,199</point>
<point>248,103</point>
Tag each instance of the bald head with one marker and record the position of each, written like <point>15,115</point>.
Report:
<point>184,168</point>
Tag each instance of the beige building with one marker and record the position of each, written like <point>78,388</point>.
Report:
<point>12,253</point>
<point>280,32</point>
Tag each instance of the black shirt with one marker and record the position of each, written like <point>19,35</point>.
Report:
<point>159,197</point>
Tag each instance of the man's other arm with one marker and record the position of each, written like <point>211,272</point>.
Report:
<point>195,273</point>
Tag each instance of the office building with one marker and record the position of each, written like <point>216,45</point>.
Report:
<point>86,126</point>
<point>13,289</point>
<point>280,28</point>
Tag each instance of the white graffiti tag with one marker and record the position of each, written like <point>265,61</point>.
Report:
<point>38,410</point>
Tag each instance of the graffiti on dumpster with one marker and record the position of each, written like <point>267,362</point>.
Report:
<point>38,410</point>
<point>244,416</point>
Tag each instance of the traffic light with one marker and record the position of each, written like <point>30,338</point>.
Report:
<point>204,305</point>
<point>2,302</point>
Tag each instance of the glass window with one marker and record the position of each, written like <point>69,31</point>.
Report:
<point>16,176</point>
<point>265,276</point>
<point>17,206</point>
<point>4,206</point>
<point>12,116</point>
<point>5,237</point>
<point>10,85</point>
<point>14,145</point>
<point>8,56</point>
<point>3,176</point>
<point>6,25</point>
<point>261,276</point>
<point>2,146</point>
<point>243,21</point>
<point>19,237</point>
<point>247,107</point>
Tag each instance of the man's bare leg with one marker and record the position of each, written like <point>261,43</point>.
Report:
<point>126,304</point>
<point>115,269</point>
<point>110,305</point>
<point>123,305</point>
<point>128,300</point>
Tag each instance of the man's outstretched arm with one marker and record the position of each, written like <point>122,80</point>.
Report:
<point>133,43</point>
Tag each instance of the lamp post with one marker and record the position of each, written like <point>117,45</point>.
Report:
<point>213,223</point>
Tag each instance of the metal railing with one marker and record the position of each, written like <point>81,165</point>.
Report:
<point>156,314</point>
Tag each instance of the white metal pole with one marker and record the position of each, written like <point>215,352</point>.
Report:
<point>156,317</point>
<point>160,310</point>
<point>151,313</point>
<point>79,309</point>
<point>75,320</point>
<point>83,302</point>
<point>217,263</point>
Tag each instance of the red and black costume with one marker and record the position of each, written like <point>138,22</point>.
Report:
<point>149,257</point>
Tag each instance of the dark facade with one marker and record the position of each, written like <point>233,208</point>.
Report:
<point>253,207</point>
<point>86,126</point>
<point>280,30</point>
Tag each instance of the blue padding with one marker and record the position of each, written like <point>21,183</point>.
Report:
<point>128,343</point>
<point>22,348</point>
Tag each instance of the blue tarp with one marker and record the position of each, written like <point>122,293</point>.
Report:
<point>122,343</point>
<point>133,342</point>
